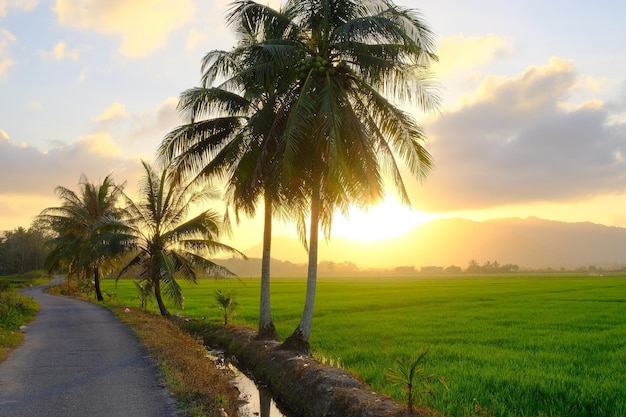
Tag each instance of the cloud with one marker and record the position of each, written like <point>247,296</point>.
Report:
<point>513,142</point>
<point>142,25</point>
<point>116,144</point>
<point>25,5</point>
<point>35,174</point>
<point>459,53</point>
<point>60,52</point>
<point>138,133</point>
<point>536,89</point>
<point>6,39</point>
<point>195,37</point>
<point>114,112</point>
<point>83,74</point>
<point>17,210</point>
<point>99,143</point>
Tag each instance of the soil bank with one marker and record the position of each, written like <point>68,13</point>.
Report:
<point>299,383</point>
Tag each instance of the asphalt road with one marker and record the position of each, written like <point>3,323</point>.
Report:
<point>79,360</point>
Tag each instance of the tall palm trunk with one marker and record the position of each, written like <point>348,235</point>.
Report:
<point>96,283</point>
<point>157,294</point>
<point>266,325</point>
<point>299,339</point>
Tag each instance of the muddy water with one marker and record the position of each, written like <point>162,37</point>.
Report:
<point>257,399</point>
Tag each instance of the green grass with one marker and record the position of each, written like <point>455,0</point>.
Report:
<point>523,345</point>
<point>15,310</point>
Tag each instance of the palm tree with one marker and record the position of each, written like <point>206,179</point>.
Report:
<point>411,375</point>
<point>226,302</point>
<point>169,244</point>
<point>324,73</point>
<point>345,61</point>
<point>84,238</point>
<point>232,134</point>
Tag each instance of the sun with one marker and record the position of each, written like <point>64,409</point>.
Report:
<point>388,219</point>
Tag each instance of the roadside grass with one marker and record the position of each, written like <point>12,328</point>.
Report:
<point>200,387</point>
<point>535,345</point>
<point>15,310</point>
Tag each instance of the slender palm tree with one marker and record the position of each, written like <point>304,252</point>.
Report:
<point>348,65</point>
<point>84,240</point>
<point>334,66</point>
<point>169,244</point>
<point>233,132</point>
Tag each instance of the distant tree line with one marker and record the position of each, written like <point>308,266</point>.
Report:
<point>22,250</point>
<point>490,267</point>
<point>473,268</point>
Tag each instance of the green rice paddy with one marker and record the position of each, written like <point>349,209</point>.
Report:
<point>516,345</point>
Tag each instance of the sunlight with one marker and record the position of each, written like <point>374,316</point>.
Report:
<point>386,220</point>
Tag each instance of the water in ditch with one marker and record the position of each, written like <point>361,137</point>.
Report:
<point>257,400</point>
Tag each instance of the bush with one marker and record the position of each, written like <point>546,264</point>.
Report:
<point>15,310</point>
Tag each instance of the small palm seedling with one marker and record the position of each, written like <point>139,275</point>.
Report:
<point>227,303</point>
<point>144,288</point>
<point>411,375</point>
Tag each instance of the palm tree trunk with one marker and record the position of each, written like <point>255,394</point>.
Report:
<point>266,325</point>
<point>299,339</point>
<point>157,294</point>
<point>96,283</point>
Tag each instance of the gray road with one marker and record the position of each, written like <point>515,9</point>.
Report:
<point>79,360</point>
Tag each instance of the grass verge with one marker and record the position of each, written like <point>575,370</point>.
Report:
<point>15,310</point>
<point>200,388</point>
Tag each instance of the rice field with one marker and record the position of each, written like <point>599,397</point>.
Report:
<point>517,345</point>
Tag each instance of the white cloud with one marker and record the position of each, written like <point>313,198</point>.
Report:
<point>34,174</point>
<point>6,39</point>
<point>83,74</point>
<point>142,25</point>
<point>195,37</point>
<point>458,54</point>
<point>37,173</point>
<point>59,52</point>
<point>148,129</point>
<point>512,142</point>
<point>25,5</point>
<point>115,111</point>
<point>115,146</point>
<point>536,88</point>
<point>137,134</point>
<point>99,143</point>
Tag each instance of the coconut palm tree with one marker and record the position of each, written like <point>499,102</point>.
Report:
<point>349,64</point>
<point>334,67</point>
<point>169,244</point>
<point>84,237</point>
<point>233,134</point>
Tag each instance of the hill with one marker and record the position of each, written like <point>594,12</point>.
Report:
<point>530,243</point>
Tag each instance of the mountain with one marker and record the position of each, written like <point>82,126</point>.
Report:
<point>530,243</point>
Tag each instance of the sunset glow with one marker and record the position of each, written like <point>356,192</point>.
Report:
<point>387,220</point>
<point>531,124</point>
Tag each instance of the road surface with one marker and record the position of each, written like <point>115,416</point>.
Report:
<point>79,360</point>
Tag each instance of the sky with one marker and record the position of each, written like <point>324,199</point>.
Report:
<point>532,121</point>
